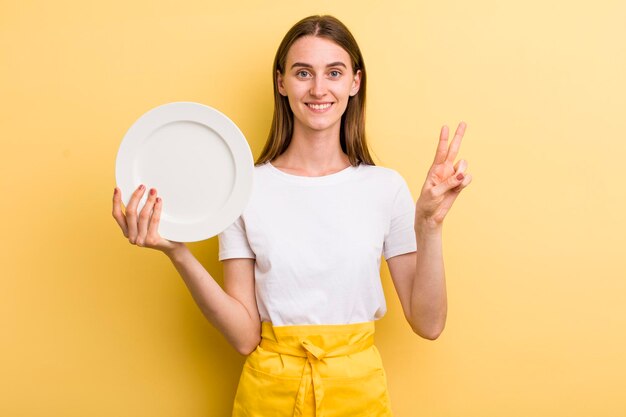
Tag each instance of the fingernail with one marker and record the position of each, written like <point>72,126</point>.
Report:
<point>158,199</point>
<point>115,191</point>
<point>141,187</point>
<point>152,191</point>
<point>460,177</point>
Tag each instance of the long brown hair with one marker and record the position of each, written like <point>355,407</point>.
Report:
<point>352,133</point>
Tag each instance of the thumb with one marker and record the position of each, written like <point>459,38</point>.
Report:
<point>453,181</point>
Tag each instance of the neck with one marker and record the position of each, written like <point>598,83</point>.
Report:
<point>313,153</point>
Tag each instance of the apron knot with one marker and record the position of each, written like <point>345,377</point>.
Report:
<point>316,351</point>
<point>311,377</point>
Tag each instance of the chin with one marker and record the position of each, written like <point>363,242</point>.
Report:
<point>321,125</point>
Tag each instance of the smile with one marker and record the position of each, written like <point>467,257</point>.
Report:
<point>319,106</point>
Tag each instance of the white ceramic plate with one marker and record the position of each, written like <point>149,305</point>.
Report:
<point>199,162</point>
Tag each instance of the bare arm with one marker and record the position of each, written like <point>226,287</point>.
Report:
<point>419,277</point>
<point>233,311</point>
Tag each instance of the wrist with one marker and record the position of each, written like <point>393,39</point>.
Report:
<point>425,228</point>
<point>176,251</point>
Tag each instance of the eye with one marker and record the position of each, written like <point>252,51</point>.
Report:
<point>335,74</point>
<point>302,74</point>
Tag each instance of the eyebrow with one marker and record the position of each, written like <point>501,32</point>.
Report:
<point>305,65</point>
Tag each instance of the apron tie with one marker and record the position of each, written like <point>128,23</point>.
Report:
<point>310,374</point>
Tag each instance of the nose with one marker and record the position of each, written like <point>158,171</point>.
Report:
<point>318,87</point>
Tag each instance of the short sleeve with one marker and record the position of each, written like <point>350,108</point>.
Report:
<point>400,238</point>
<point>233,242</point>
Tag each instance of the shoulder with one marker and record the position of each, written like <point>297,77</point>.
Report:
<point>263,172</point>
<point>380,173</point>
<point>261,168</point>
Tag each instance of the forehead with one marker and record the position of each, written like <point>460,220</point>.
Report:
<point>316,51</point>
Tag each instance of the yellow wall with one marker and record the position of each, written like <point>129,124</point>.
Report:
<point>92,326</point>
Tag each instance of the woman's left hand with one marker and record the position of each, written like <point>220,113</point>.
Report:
<point>444,182</point>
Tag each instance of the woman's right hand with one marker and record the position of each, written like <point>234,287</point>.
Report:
<point>142,229</point>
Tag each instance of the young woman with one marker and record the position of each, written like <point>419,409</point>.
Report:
<point>301,265</point>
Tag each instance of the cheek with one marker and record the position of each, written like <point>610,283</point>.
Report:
<point>295,92</point>
<point>343,106</point>
<point>293,103</point>
<point>344,91</point>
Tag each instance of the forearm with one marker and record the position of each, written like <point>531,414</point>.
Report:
<point>428,296</point>
<point>224,312</point>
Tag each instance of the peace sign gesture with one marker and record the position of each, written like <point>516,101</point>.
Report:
<point>444,181</point>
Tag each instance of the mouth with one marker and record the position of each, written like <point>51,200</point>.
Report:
<point>319,107</point>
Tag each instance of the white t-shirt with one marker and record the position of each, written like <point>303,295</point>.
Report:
<point>318,242</point>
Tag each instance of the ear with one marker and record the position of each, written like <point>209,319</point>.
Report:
<point>280,83</point>
<point>356,84</point>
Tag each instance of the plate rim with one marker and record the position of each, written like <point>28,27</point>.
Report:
<point>229,132</point>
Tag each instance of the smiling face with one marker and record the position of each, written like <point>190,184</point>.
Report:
<point>318,81</point>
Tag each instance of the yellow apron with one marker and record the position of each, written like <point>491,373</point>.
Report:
<point>314,371</point>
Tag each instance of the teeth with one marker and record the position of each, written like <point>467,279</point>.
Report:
<point>320,106</point>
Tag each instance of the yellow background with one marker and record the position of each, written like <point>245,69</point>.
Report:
<point>535,248</point>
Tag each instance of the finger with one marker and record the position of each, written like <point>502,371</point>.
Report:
<point>442,147</point>
<point>451,182</point>
<point>460,167</point>
<point>456,142</point>
<point>466,181</point>
<point>153,236</point>
<point>144,217</point>
<point>131,213</point>
<point>118,215</point>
